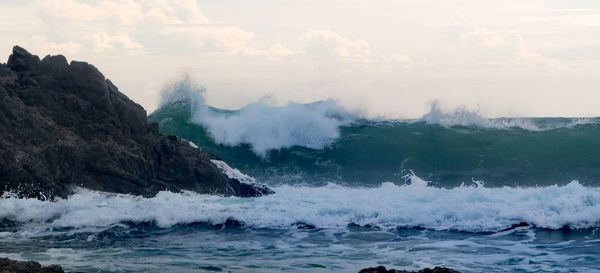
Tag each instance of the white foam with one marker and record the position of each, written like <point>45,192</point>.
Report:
<point>472,118</point>
<point>333,206</point>
<point>262,126</point>
<point>233,172</point>
<point>193,145</point>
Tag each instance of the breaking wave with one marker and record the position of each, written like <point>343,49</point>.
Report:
<point>416,204</point>
<point>262,126</point>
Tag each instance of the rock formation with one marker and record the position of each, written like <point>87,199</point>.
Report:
<point>382,269</point>
<point>63,125</point>
<point>11,266</point>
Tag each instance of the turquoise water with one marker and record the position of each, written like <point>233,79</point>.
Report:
<point>515,152</point>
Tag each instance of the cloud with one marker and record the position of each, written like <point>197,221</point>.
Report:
<point>213,39</point>
<point>123,11</point>
<point>41,43</point>
<point>278,50</point>
<point>177,24</point>
<point>504,46</point>
<point>329,44</point>
<point>484,37</point>
<point>103,41</point>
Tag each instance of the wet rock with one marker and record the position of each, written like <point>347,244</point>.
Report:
<point>382,269</point>
<point>12,266</point>
<point>65,125</point>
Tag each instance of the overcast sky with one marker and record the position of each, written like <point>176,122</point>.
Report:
<point>386,58</point>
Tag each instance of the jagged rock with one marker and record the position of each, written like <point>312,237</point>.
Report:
<point>64,125</point>
<point>382,269</point>
<point>11,266</point>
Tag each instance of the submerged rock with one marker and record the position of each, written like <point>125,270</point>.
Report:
<point>63,125</point>
<point>11,266</point>
<point>382,269</point>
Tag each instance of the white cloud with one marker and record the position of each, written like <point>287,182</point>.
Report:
<point>327,44</point>
<point>213,39</point>
<point>121,11</point>
<point>484,37</point>
<point>278,50</point>
<point>504,46</point>
<point>103,41</point>
<point>126,12</point>
<point>41,43</point>
<point>176,24</point>
<point>175,12</point>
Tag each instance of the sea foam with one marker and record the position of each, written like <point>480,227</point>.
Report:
<point>262,126</point>
<point>466,208</point>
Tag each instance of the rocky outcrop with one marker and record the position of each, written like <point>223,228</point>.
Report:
<point>12,266</point>
<point>382,269</point>
<point>63,125</point>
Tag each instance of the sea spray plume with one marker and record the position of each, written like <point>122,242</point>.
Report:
<point>268,128</point>
<point>462,116</point>
<point>458,117</point>
<point>262,126</point>
<point>185,90</point>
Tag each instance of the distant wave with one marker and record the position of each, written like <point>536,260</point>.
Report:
<point>470,118</point>
<point>466,208</point>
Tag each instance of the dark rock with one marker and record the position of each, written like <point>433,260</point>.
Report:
<point>11,266</point>
<point>514,226</point>
<point>21,60</point>
<point>64,125</point>
<point>382,269</point>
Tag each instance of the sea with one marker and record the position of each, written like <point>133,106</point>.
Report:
<point>450,189</point>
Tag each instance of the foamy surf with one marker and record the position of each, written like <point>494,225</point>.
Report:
<point>466,208</point>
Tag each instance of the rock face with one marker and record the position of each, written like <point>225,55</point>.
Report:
<point>64,125</point>
<point>11,266</point>
<point>382,269</point>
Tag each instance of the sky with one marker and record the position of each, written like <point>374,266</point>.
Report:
<point>384,58</point>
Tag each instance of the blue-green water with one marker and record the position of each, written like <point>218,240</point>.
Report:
<point>450,189</point>
<point>515,152</point>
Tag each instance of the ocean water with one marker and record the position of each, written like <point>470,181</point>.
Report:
<point>312,229</point>
<point>450,189</point>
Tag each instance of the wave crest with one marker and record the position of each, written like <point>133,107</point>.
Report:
<point>262,126</point>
